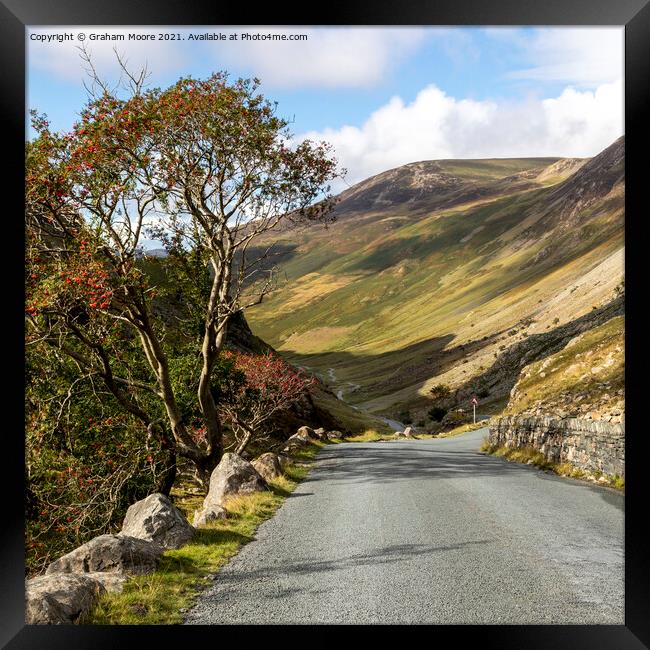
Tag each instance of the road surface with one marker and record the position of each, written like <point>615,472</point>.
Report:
<point>428,531</point>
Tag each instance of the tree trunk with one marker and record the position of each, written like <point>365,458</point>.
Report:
<point>204,471</point>
<point>168,477</point>
<point>244,443</point>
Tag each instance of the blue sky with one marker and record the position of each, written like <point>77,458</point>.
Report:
<point>384,96</point>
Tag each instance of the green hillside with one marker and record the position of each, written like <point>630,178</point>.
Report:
<point>434,270</point>
<point>584,379</point>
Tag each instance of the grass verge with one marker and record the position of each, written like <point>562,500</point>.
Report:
<point>370,435</point>
<point>463,428</point>
<point>530,456</point>
<point>161,597</point>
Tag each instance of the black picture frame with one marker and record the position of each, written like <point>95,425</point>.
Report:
<point>15,15</point>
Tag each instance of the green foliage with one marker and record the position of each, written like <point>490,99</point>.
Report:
<point>120,346</point>
<point>85,458</point>
<point>440,391</point>
<point>437,413</point>
<point>405,417</point>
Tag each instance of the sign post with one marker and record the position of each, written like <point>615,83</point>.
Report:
<point>474,403</point>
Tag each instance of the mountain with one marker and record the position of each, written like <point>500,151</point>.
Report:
<point>319,408</point>
<point>450,272</point>
<point>585,379</point>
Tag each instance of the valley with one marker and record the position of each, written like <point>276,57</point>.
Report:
<point>449,272</point>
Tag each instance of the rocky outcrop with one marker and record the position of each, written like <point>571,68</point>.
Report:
<point>157,519</point>
<point>60,598</point>
<point>306,434</point>
<point>112,553</point>
<point>591,445</point>
<point>407,433</point>
<point>502,376</point>
<point>206,515</point>
<point>268,466</point>
<point>112,582</point>
<point>302,437</point>
<point>334,435</point>
<point>232,476</point>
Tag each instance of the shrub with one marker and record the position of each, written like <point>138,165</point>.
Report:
<point>440,391</point>
<point>437,413</point>
<point>405,417</point>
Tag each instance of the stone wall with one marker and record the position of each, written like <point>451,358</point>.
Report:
<point>588,444</point>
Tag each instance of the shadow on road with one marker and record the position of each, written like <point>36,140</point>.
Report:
<point>384,555</point>
<point>400,462</point>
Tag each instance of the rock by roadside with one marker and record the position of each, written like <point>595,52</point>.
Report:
<point>232,476</point>
<point>157,519</point>
<point>268,466</point>
<point>110,553</point>
<point>407,433</point>
<point>206,515</point>
<point>60,598</point>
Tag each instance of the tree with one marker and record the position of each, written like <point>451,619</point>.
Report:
<point>204,167</point>
<point>254,389</point>
<point>436,413</point>
<point>440,391</point>
<point>405,417</point>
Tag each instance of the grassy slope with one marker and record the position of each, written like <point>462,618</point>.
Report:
<point>379,296</point>
<point>350,419</point>
<point>592,365</point>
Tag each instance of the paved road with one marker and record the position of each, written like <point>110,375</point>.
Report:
<point>428,531</point>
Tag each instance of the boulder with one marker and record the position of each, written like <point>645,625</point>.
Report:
<point>206,515</point>
<point>112,582</point>
<point>232,476</point>
<point>157,519</point>
<point>321,434</point>
<point>334,435</point>
<point>305,433</point>
<point>291,446</point>
<point>408,432</point>
<point>268,466</point>
<point>60,598</point>
<point>294,443</point>
<point>302,437</point>
<point>112,553</point>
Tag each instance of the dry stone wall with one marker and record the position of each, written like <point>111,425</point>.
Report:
<point>592,445</point>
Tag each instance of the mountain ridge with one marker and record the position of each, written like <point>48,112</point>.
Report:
<point>394,282</point>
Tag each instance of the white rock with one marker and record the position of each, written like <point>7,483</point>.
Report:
<point>60,598</point>
<point>157,519</point>
<point>112,553</point>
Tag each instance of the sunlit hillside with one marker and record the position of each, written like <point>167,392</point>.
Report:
<point>433,271</point>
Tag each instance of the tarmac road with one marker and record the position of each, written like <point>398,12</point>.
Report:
<point>428,531</point>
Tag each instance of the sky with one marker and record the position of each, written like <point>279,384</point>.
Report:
<point>383,97</point>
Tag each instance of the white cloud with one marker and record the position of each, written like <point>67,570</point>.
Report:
<point>329,58</point>
<point>63,59</point>
<point>435,126</point>
<point>347,57</point>
<point>581,56</point>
